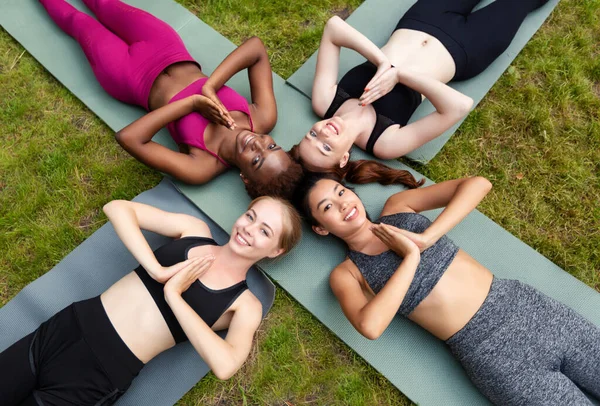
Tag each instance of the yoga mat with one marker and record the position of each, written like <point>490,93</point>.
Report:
<point>386,14</point>
<point>28,22</point>
<point>95,265</point>
<point>414,361</point>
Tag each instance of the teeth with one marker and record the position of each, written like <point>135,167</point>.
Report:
<point>241,240</point>
<point>352,212</point>
<point>333,128</point>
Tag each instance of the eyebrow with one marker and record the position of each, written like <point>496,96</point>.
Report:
<point>265,224</point>
<point>334,190</point>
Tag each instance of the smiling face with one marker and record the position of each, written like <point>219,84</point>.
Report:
<point>336,209</point>
<point>326,145</point>
<point>257,233</point>
<point>258,157</point>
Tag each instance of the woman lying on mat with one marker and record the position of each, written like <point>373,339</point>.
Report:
<point>139,59</point>
<point>89,352</point>
<point>518,346</point>
<point>436,41</point>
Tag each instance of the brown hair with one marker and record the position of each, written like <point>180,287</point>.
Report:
<point>365,171</point>
<point>292,224</point>
<point>281,185</point>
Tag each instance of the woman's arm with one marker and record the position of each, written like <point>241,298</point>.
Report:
<point>136,139</point>
<point>451,106</point>
<point>458,197</point>
<point>337,34</point>
<point>226,356</point>
<point>129,218</point>
<point>253,56</point>
<point>371,317</point>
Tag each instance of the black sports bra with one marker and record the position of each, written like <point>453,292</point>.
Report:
<point>207,303</point>
<point>396,107</point>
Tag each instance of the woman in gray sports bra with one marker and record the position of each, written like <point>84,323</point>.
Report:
<point>518,346</point>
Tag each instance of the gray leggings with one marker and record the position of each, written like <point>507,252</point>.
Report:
<point>524,348</point>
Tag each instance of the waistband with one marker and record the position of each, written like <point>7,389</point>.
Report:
<point>162,59</point>
<point>497,308</point>
<point>455,49</point>
<point>118,361</point>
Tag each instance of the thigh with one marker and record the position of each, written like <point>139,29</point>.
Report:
<point>17,380</point>
<point>581,359</point>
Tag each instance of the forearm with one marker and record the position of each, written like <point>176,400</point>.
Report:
<point>379,312</point>
<point>445,99</point>
<point>341,34</point>
<point>251,52</point>
<point>126,225</point>
<point>466,197</point>
<point>143,129</point>
<point>215,351</point>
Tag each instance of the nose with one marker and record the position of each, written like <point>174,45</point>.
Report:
<point>344,206</point>
<point>259,143</point>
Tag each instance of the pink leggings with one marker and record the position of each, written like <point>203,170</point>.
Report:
<point>127,47</point>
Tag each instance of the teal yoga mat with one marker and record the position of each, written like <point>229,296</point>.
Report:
<point>415,362</point>
<point>95,265</point>
<point>386,13</point>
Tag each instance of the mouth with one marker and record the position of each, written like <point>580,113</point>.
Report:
<point>240,240</point>
<point>352,214</point>
<point>333,128</point>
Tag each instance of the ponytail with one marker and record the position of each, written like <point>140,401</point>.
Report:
<point>365,171</point>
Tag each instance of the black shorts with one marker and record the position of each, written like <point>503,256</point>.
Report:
<point>74,358</point>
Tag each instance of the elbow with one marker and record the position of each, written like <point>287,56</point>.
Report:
<point>486,185</point>
<point>113,205</point>
<point>464,106</point>
<point>369,330</point>
<point>123,139</point>
<point>223,373</point>
<point>333,21</point>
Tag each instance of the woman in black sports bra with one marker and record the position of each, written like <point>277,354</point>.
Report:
<point>436,41</point>
<point>89,352</point>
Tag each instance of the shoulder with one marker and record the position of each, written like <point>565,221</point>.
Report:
<point>398,203</point>
<point>195,227</point>
<point>345,270</point>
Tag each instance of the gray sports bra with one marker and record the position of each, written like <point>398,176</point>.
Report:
<point>377,269</point>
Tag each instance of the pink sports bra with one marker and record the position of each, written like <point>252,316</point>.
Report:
<point>189,129</point>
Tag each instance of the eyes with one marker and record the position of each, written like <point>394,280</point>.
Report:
<point>329,205</point>
<point>256,159</point>
<point>263,231</point>
<point>326,147</point>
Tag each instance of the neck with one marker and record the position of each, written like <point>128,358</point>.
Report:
<point>361,239</point>
<point>228,144</point>
<point>358,121</point>
<point>236,266</point>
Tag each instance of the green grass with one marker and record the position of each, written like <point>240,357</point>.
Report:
<point>536,136</point>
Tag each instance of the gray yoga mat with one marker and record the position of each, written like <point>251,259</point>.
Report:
<point>414,361</point>
<point>94,266</point>
<point>386,14</point>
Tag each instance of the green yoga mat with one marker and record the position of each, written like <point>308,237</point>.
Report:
<point>415,362</point>
<point>387,13</point>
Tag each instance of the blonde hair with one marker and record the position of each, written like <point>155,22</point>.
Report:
<point>292,224</point>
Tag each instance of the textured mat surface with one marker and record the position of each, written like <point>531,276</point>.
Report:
<point>413,360</point>
<point>387,13</point>
<point>94,266</point>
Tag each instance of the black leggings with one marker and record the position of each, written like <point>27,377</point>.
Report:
<point>476,39</point>
<point>74,358</point>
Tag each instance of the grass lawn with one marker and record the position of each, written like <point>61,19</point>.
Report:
<point>536,136</point>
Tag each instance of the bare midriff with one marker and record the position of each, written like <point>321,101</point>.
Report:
<point>171,81</point>
<point>137,319</point>
<point>455,299</point>
<point>420,52</point>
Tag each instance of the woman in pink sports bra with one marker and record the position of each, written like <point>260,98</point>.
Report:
<point>139,59</point>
